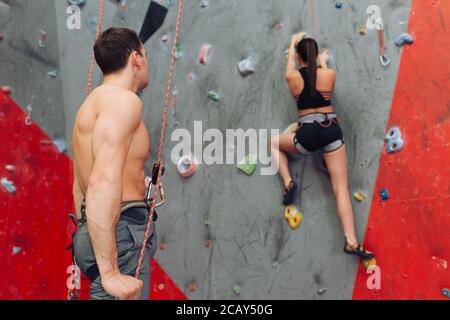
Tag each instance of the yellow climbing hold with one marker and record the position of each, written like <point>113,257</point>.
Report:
<point>362,29</point>
<point>292,128</point>
<point>369,263</point>
<point>293,217</point>
<point>359,196</point>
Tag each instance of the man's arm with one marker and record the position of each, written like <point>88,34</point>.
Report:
<point>78,195</point>
<point>112,135</point>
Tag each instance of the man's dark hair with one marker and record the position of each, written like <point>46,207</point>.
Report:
<point>114,47</point>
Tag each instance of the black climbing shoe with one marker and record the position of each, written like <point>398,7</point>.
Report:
<point>289,194</point>
<point>358,251</point>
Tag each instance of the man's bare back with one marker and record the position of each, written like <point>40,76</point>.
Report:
<point>83,144</point>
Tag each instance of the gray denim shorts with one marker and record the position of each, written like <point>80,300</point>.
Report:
<point>129,237</point>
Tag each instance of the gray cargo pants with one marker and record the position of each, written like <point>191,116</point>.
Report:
<point>129,237</point>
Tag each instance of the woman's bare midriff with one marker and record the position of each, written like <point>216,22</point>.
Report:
<point>305,112</point>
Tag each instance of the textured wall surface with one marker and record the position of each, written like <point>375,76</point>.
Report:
<point>252,246</point>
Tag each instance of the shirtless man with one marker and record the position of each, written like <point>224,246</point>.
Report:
<point>110,145</point>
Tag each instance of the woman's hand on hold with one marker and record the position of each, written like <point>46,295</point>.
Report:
<point>296,38</point>
<point>324,57</point>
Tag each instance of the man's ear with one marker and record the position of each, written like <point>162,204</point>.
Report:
<point>134,58</point>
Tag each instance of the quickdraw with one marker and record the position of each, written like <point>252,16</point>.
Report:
<point>384,60</point>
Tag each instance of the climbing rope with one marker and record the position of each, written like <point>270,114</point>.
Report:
<point>101,13</point>
<point>312,10</point>
<point>158,169</point>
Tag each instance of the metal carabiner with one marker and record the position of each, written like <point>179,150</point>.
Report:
<point>385,61</point>
<point>162,196</point>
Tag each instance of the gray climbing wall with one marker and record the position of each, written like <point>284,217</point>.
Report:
<point>252,246</point>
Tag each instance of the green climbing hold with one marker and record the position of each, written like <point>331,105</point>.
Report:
<point>214,96</point>
<point>179,51</point>
<point>237,289</point>
<point>248,165</point>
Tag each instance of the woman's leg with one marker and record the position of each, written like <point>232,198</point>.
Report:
<point>337,167</point>
<point>279,146</point>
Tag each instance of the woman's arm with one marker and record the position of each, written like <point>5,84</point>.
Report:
<point>291,70</point>
<point>324,57</point>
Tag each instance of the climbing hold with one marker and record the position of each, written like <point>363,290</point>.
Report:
<point>204,4</point>
<point>394,140</point>
<point>178,51</point>
<point>395,145</point>
<point>247,66</point>
<point>404,38</point>
<point>191,76</point>
<point>8,185</point>
<point>187,166</point>
<point>446,292</point>
<point>164,38</point>
<point>248,164</point>
<point>16,250</point>
<point>279,26</point>
<point>60,145</point>
<point>213,95</point>
<point>384,194</point>
<point>6,90</point>
<point>362,29</point>
<point>79,3</point>
<point>94,21</point>
<point>1,36</point>
<point>161,286</point>
<point>52,74</point>
<point>322,290</point>
<point>208,243</point>
<point>162,246</point>
<point>339,5</point>
<point>393,133</point>
<point>192,287</point>
<point>42,39</point>
<point>237,289</point>
<point>10,168</point>
<point>359,196</point>
<point>205,54</point>
<point>369,263</point>
<point>123,9</point>
<point>293,217</point>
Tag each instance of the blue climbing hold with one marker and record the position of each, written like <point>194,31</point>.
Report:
<point>393,133</point>
<point>339,5</point>
<point>395,145</point>
<point>384,194</point>
<point>404,38</point>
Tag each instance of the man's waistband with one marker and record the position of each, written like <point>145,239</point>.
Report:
<point>126,212</point>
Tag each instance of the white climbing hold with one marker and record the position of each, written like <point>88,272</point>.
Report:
<point>247,66</point>
<point>8,185</point>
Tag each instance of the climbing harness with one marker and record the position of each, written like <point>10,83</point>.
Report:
<point>385,61</point>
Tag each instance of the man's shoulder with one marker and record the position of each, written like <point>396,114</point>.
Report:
<point>119,99</point>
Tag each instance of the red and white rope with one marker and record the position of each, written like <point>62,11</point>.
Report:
<point>101,14</point>
<point>161,138</point>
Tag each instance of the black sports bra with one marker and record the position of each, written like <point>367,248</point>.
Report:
<point>305,100</point>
